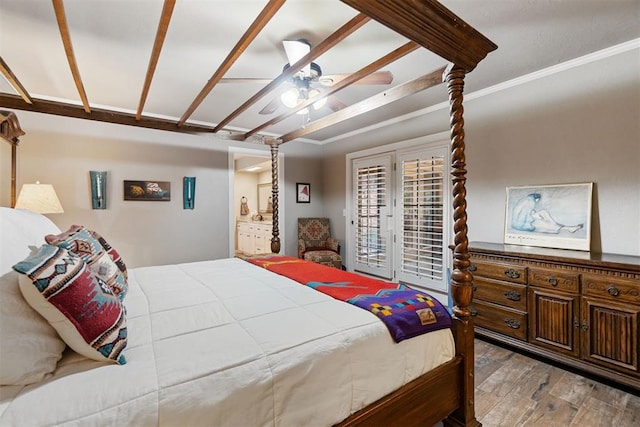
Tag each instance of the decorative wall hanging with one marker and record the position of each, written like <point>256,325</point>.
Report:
<point>244,206</point>
<point>303,192</point>
<point>188,192</point>
<point>98,189</point>
<point>147,190</point>
<point>552,216</point>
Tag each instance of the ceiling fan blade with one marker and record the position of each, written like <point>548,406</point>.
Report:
<point>296,49</point>
<point>334,103</point>
<point>245,80</point>
<point>377,78</point>
<point>270,107</point>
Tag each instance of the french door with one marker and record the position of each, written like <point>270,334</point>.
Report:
<point>373,225</point>
<point>400,221</point>
<point>422,224</point>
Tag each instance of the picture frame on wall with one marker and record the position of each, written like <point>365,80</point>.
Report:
<point>303,192</point>
<point>551,216</point>
<point>153,191</point>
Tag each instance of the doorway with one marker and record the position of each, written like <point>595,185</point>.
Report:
<point>250,182</point>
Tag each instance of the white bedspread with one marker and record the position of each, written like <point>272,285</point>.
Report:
<point>226,343</point>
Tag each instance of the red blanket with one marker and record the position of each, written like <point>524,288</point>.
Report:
<point>406,312</point>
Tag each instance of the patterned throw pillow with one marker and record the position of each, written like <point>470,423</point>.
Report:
<point>101,258</point>
<point>80,306</point>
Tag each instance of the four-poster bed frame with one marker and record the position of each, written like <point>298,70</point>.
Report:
<point>11,132</point>
<point>446,392</point>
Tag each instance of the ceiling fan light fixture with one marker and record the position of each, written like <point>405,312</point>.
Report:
<point>320,102</point>
<point>290,97</point>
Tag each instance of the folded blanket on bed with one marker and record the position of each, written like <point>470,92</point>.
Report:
<point>405,311</point>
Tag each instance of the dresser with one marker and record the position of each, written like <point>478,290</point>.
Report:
<point>578,308</point>
<point>254,238</point>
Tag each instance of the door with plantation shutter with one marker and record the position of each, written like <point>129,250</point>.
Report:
<point>373,220</point>
<point>422,212</point>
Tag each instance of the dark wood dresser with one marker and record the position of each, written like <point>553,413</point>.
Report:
<point>578,308</point>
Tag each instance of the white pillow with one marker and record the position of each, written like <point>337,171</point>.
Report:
<point>29,346</point>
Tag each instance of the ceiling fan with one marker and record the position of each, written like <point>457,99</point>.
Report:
<point>309,81</point>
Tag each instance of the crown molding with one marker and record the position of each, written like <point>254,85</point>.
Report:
<point>527,78</point>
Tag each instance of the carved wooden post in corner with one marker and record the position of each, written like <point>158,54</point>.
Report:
<point>461,279</point>
<point>275,241</point>
<point>10,130</point>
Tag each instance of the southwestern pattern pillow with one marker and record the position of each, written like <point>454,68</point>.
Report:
<point>79,305</point>
<point>101,258</point>
<point>113,254</point>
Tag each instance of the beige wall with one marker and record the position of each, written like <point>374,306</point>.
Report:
<point>61,151</point>
<point>577,125</point>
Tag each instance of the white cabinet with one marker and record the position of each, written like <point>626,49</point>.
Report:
<point>254,237</point>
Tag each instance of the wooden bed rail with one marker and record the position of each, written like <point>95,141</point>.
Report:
<point>10,131</point>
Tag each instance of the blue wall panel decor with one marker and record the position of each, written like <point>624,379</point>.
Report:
<point>98,189</point>
<point>188,192</point>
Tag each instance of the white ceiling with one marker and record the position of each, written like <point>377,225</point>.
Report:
<point>113,40</point>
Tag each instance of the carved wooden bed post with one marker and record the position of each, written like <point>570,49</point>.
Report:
<point>461,278</point>
<point>10,131</point>
<point>275,241</point>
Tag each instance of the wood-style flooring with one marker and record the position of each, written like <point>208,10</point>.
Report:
<point>515,390</point>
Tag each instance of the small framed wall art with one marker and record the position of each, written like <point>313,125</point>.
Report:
<point>155,191</point>
<point>551,216</point>
<point>303,192</point>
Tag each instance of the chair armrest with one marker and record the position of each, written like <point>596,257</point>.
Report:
<point>333,244</point>
<point>301,247</point>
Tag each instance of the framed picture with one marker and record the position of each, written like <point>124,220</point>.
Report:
<point>147,190</point>
<point>303,192</point>
<point>552,216</point>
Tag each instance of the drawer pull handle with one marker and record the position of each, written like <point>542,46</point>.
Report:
<point>512,323</point>
<point>473,311</point>
<point>552,281</point>
<point>472,267</point>
<point>475,288</point>
<point>613,291</point>
<point>512,295</point>
<point>510,272</point>
<point>585,325</point>
<point>576,322</point>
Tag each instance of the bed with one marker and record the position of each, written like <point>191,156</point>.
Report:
<point>210,353</point>
<point>220,342</point>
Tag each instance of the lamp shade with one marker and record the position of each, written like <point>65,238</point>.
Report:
<point>41,198</point>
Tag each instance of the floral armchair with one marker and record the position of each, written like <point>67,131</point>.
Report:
<point>316,244</point>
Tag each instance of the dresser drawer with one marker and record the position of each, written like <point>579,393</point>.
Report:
<point>494,270</point>
<point>498,292</point>
<point>614,288</point>
<point>554,279</point>
<point>500,319</point>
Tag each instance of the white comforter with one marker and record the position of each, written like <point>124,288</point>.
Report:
<point>226,343</point>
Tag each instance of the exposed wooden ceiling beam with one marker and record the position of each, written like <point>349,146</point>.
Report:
<point>13,81</point>
<point>163,25</point>
<point>446,34</point>
<point>406,89</point>
<point>265,16</point>
<point>68,48</point>
<point>97,114</point>
<point>339,35</point>
<point>347,81</point>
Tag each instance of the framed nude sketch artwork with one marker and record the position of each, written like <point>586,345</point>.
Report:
<point>552,216</point>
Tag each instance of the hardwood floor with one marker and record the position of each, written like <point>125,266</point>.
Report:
<point>516,390</point>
